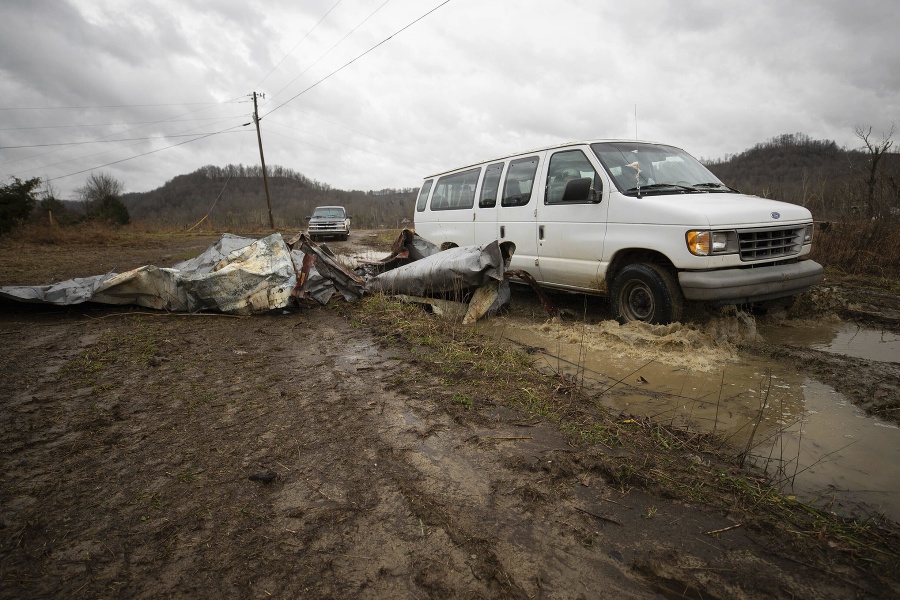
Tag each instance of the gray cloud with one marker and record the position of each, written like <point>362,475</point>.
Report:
<point>471,81</point>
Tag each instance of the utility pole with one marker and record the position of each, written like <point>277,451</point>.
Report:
<point>262,159</point>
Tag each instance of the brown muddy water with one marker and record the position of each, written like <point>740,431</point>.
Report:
<point>813,441</point>
<point>839,338</point>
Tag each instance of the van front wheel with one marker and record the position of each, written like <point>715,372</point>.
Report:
<point>646,292</point>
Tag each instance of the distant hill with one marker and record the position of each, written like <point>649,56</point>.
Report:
<point>234,196</point>
<point>829,180</point>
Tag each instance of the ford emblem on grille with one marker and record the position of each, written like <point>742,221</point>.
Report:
<point>776,215</point>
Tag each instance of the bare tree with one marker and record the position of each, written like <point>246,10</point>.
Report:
<point>101,197</point>
<point>876,150</point>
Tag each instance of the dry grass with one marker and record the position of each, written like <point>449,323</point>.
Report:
<point>860,248</point>
<point>85,234</point>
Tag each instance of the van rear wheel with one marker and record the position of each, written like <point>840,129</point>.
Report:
<point>646,292</point>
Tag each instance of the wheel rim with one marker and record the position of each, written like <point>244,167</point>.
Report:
<point>637,301</point>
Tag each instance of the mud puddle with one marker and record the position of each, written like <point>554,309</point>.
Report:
<point>809,437</point>
<point>838,337</point>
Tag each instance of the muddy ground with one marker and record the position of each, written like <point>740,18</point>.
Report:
<point>301,454</point>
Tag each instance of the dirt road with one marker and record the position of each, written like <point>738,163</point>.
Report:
<point>298,454</point>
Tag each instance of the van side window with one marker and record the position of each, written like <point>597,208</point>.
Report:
<point>456,191</point>
<point>519,181</point>
<point>491,186</point>
<point>568,166</point>
<point>423,195</point>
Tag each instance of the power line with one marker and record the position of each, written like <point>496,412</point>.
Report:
<point>194,226</point>
<point>300,42</point>
<point>327,52</point>
<point>269,130</point>
<point>150,152</point>
<point>155,137</point>
<point>172,120</point>
<point>335,123</point>
<point>112,106</point>
<point>79,158</point>
<point>120,133</point>
<point>204,136</point>
<point>339,69</point>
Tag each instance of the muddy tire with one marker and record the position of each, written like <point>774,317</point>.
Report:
<point>646,292</point>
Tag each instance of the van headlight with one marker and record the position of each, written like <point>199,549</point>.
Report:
<point>807,235</point>
<point>706,243</point>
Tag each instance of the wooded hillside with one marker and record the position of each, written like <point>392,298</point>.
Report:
<point>234,196</point>
<point>832,182</point>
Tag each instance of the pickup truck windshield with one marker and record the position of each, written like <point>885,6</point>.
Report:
<point>329,213</point>
<point>652,169</point>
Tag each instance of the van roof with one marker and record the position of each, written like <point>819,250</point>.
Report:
<point>532,150</point>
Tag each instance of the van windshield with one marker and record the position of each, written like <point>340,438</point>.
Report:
<point>647,169</point>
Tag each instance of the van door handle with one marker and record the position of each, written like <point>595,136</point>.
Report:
<point>540,232</point>
<point>502,231</point>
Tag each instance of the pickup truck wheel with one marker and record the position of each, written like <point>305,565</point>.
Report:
<point>646,292</point>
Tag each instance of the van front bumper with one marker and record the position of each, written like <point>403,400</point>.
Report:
<point>739,286</point>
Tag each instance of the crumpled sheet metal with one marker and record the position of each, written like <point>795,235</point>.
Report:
<point>453,270</point>
<point>255,276</point>
<point>456,270</point>
<point>486,301</point>
<point>148,286</point>
<point>319,262</point>
<point>215,254</point>
<point>408,247</point>
<point>72,291</point>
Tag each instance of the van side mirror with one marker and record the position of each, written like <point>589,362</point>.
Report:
<point>308,218</point>
<point>349,216</point>
<point>577,190</point>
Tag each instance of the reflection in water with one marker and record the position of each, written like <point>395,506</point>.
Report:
<point>845,457</point>
<point>838,338</point>
<point>810,437</point>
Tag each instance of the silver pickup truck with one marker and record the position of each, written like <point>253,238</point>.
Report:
<point>328,221</point>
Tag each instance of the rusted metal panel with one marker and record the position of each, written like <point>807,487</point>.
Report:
<point>349,284</point>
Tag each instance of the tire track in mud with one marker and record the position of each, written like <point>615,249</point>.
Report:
<point>443,487</point>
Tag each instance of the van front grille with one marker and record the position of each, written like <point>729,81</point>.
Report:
<point>767,244</point>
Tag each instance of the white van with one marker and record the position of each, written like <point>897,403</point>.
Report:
<point>644,223</point>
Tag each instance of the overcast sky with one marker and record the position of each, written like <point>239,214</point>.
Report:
<point>472,80</point>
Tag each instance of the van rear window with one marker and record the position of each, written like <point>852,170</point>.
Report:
<point>456,191</point>
<point>490,186</point>
<point>519,181</point>
<point>423,195</point>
